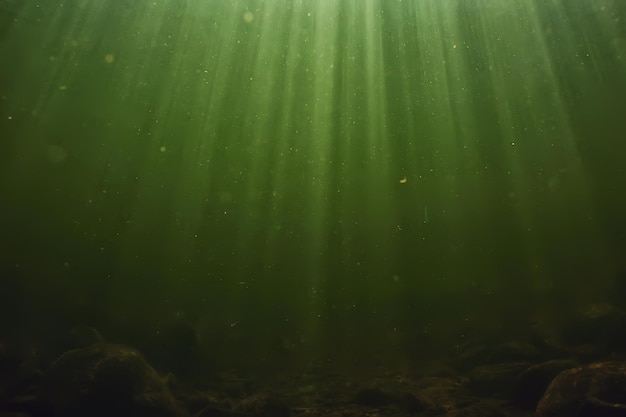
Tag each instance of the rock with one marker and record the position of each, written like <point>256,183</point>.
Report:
<point>515,351</point>
<point>373,397</point>
<point>485,408</point>
<point>26,404</point>
<point>262,406</point>
<point>469,355</point>
<point>477,353</point>
<point>410,403</point>
<point>403,400</point>
<point>533,382</point>
<point>212,411</point>
<point>490,380</point>
<point>597,390</point>
<point>19,371</point>
<point>588,353</point>
<point>13,414</point>
<point>104,380</point>
<point>82,336</point>
<point>602,325</point>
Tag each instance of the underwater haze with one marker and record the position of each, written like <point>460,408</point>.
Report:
<point>296,182</point>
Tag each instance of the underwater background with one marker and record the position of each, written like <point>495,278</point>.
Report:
<point>281,183</point>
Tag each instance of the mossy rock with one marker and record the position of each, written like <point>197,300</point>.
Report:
<point>105,380</point>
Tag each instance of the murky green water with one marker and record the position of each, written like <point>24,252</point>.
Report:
<point>318,180</point>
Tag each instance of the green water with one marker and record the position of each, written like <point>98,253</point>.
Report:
<point>311,179</point>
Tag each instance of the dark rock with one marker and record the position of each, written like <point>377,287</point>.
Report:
<point>597,408</point>
<point>19,371</point>
<point>477,353</point>
<point>213,411</point>
<point>104,380</point>
<point>588,353</point>
<point>262,406</point>
<point>13,414</point>
<point>602,325</point>
<point>533,382</point>
<point>486,408</point>
<point>469,355</point>
<point>60,340</point>
<point>373,397</point>
<point>410,403</point>
<point>490,380</point>
<point>515,351</point>
<point>402,400</point>
<point>26,404</point>
<point>82,336</point>
<point>544,337</point>
<point>597,390</point>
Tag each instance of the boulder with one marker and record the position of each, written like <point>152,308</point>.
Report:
<point>104,380</point>
<point>495,380</point>
<point>533,382</point>
<point>597,390</point>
